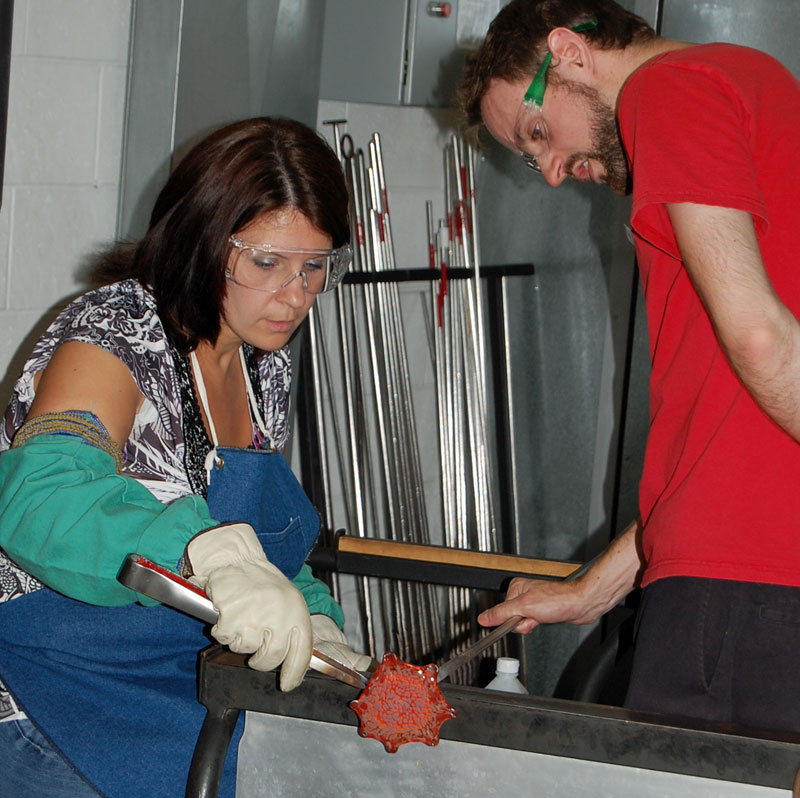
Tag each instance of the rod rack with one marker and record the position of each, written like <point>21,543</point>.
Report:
<point>433,564</point>
<point>412,275</point>
<point>312,475</point>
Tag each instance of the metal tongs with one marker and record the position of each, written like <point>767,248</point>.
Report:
<point>145,577</point>
<point>452,665</point>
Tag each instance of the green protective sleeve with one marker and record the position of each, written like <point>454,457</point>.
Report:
<point>67,518</point>
<point>318,597</point>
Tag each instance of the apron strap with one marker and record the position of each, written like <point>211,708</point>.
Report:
<point>255,415</point>
<point>201,390</point>
<point>211,457</point>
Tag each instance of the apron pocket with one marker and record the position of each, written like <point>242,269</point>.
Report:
<point>286,549</point>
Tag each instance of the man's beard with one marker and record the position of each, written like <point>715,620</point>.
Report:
<point>606,144</point>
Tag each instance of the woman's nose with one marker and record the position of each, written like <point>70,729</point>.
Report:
<point>293,289</point>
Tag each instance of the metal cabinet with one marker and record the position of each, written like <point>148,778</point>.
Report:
<point>197,65</point>
<point>399,53</point>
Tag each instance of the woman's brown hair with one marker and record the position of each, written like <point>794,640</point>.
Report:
<point>233,176</point>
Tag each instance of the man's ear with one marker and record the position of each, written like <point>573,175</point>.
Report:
<point>570,52</point>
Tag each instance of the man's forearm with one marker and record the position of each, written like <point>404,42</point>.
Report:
<point>758,333</point>
<point>768,365</point>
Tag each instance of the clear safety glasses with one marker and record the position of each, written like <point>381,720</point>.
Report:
<point>267,268</point>
<point>534,97</point>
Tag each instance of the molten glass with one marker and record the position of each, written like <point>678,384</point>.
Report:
<point>402,703</point>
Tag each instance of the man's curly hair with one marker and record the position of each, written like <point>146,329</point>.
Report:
<point>516,42</point>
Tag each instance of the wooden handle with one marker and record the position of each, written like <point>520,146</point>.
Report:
<point>448,556</point>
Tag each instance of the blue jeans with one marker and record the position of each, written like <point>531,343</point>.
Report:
<point>30,766</point>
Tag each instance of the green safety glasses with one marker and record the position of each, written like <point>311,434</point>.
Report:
<point>535,93</point>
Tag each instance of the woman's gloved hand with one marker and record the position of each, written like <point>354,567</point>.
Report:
<point>330,640</point>
<point>260,610</point>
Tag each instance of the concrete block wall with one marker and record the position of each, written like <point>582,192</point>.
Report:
<point>62,163</point>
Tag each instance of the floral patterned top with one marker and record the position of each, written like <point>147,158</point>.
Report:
<point>168,444</point>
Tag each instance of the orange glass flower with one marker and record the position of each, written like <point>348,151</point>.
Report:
<point>402,703</point>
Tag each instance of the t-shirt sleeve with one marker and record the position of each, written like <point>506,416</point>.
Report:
<point>688,132</point>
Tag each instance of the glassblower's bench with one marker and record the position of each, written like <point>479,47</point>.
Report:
<point>306,742</point>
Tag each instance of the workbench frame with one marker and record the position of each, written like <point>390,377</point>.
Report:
<point>518,722</point>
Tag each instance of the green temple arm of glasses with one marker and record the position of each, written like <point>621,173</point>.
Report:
<point>535,93</point>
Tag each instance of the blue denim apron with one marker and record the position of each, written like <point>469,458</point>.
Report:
<point>133,669</point>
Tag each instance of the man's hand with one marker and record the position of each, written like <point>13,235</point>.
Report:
<point>579,601</point>
<point>539,601</point>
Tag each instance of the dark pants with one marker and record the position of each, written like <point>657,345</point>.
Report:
<point>719,650</point>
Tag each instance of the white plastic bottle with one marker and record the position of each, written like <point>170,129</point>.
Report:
<point>506,679</point>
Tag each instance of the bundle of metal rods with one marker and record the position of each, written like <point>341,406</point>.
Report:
<point>375,434</point>
<point>468,470</point>
<point>378,452</point>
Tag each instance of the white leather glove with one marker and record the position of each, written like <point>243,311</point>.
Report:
<point>260,610</point>
<point>330,640</point>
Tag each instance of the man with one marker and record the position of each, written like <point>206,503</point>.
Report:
<point>707,136</point>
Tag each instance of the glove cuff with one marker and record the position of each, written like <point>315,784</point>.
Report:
<point>329,639</point>
<point>219,546</point>
<point>325,628</point>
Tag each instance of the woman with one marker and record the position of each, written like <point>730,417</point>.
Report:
<point>147,419</point>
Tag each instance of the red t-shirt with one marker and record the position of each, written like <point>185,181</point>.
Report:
<point>720,493</point>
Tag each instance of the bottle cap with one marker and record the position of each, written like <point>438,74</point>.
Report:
<point>507,665</point>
